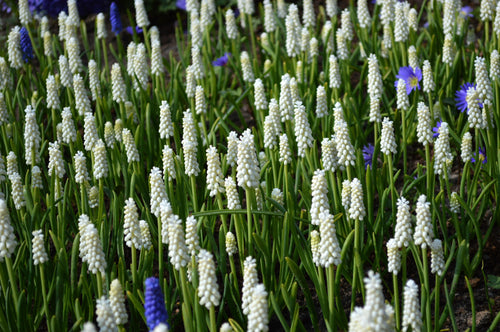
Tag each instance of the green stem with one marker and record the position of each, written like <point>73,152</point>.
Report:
<point>99,284</point>
<point>248,193</point>
<point>436,304</point>
<point>193,193</point>
<point>44,295</point>
<point>428,170</point>
<point>133,266</point>
<point>428,317</point>
<point>397,305</point>
<point>403,124</point>
<point>12,281</point>
<point>213,321</point>
<point>331,293</point>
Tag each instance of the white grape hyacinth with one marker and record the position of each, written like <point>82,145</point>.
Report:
<point>131,227</point>
<point>412,316</point>
<point>215,182</point>
<point>423,231</point>
<point>329,244</point>
<point>8,240</point>
<point>258,316</point>
<point>250,280</point>
<point>303,132</point>
<point>319,190</point>
<point>388,141</point>
<point>208,291</point>
<point>248,170</point>
<point>403,232</point>
<point>442,152</point>
<point>105,316</point>
<point>356,207</point>
<point>424,131</point>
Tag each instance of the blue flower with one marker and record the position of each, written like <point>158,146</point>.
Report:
<point>4,7</point>
<point>482,156</point>
<point>411,77</point>
<point>436,129</point>
<point>154,304</point>
<point>368,154</point>
<point>26,47</point>
<point>466,11</point>
<point>461,97</point>
<point>222,61</point>
<point>54,7</point>
<point>114,18</point>
<point>130,31</point>
<point>181,4</point>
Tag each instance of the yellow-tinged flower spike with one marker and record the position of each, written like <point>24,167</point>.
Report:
<point>233,200</point>
<point>141,16</point>
<point>231,247</point>
<point>117,302</point>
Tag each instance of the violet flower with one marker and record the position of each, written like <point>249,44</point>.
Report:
<point>181,4</point>
<point>154,304</point>
<point>461,97</point>
<point>222,61</point>
<point>436,129</point>
<point>54,7</point>
<point>368,151</point>
<point>411,77</point>
<point>114,18</point>
<point>482,156</point>
<point>466,11</point>
<point>130,31</point>
<point>26,47</point>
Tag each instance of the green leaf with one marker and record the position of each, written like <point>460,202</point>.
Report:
<point>493,281</point>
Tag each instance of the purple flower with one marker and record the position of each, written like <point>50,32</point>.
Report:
<point>466,11</point>
<point>26,47</point>
<point>461,97</point>
<point>411,77</point>
<point>114,18</point>
<point>154,304</point>
<point>130,31</point>
<point>368,154</point>
<point>54,7</point>
<point>222,61</point>
<point>181,4</point>
<point>4,7</point>
<point>482,156</point>
<point>436,129</point>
